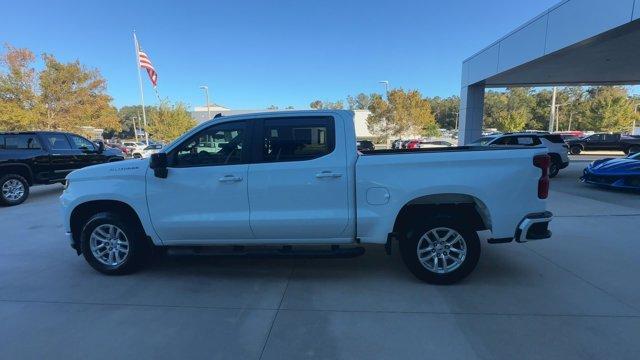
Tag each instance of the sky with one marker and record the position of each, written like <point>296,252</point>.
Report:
<point>253,54</point>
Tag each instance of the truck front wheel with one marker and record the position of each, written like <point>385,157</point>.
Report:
<point>112,245</point>
<point>441,253</point>
<point>14,189</point>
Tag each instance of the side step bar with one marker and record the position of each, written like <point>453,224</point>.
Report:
<point>335,252</point>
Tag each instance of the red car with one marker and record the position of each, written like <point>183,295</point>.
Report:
<point>412,144</point>
<point>124,150</point>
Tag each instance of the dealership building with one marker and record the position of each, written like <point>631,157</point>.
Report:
<point>576,42</point>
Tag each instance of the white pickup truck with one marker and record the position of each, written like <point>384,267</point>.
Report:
<point>286,183</point>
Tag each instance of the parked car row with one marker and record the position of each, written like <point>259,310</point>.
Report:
<point>134,149</point>
<point>418,144</point>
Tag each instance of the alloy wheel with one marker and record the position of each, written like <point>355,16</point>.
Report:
<point>109,245</point>
<point>13,190</point>
<point>441,250</point>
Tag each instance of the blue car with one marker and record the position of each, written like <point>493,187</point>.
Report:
<point>621,173</point>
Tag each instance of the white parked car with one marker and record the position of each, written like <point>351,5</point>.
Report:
<point>424,144</point>
<point>146,151</point>
<point>556,147</point>
<point>133,146</point>
<point>293,181</point>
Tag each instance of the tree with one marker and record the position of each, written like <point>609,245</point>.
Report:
<point>403,113</point>
<point>446,111</point>
<point>510,110</point>
<point>338,105</point>
<point>126,116</point>
<point>69,96</point>
<point>272,107</point>
<point>611,109</point>
<point>316,105</point>
<point>18,99</point>
<point>74,96</point>
<point>360,102</point>
<point>167,122</point>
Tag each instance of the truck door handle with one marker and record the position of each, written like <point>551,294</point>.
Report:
<point>327,174</point>
<point>230,178</point>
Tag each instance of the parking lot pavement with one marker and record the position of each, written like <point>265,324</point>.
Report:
<point>574,296</point>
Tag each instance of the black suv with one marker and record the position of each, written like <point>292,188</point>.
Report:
<point>365,145</point>
<point>40,157</point>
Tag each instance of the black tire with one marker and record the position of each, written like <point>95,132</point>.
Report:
<point>575,150</point>
<point>139,250</point>
<point>409,252</point>
<point>137,156</point>
<point>554,167</point>
<point>4,198</point>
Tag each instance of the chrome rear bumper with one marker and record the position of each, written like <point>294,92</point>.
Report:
<point>534,226</point>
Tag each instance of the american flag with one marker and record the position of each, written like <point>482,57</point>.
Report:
<point>145,63</point>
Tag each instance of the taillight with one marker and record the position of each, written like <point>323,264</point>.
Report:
<point>542,162</point>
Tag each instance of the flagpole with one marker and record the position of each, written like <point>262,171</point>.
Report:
<point>144,115</point>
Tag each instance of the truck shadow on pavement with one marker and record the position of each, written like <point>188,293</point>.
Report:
<point>494,268</point>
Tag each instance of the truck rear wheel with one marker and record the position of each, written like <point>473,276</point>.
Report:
<point>14,189</point>
<point>442,252</point>
<point>112,245</point>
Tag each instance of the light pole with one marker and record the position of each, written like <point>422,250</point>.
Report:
<point>633,129</point>
<point>206,94</point>
<point>135,131</point>
<point>386,85</point>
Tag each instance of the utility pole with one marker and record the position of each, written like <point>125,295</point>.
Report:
<point>552,117</point>
<point>386,86</point>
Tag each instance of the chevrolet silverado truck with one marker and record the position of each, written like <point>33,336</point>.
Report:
<point>293,184</point>
<point>44,157</point>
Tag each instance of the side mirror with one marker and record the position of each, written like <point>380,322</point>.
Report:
<point>159,164</point>
<point>100,147</point>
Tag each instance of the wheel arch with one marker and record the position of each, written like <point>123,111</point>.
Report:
<point>18,169</point>
<point>82,212</point>
<point>474,210</point>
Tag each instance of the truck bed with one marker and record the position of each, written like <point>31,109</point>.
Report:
<point>444,149</point>
<point>501,179</point>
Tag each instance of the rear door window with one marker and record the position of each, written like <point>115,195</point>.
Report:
<point>58,142</point>
<point>528,141</point>
<point>297,139</point>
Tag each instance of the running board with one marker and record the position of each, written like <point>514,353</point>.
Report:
<point>335,252</point>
